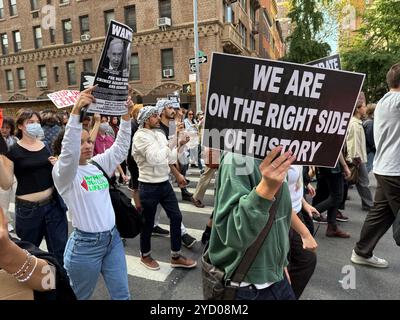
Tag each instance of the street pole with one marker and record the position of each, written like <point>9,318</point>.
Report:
<point>196,52</point>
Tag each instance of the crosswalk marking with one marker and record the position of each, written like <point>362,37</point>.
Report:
<point>195,233</point>
<point>190,208</point>
<point>136,269</point>
<point>209,192</point>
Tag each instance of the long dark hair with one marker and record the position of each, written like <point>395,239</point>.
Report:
<point>11,123</point>
<point>22,116</point>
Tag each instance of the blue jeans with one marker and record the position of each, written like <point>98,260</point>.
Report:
<point>88,254</point>
<point>152,194</point>
<point>370,161</point>
<point>33,222</point>
<point>278,291</point>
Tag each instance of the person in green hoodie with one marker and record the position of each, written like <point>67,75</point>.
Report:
<point>245,193</point>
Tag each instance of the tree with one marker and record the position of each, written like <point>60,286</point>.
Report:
<point>308,21</point>
<point>375,47</point>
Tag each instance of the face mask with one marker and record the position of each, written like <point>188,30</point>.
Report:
<point>104,126</point>
<point>34,130</point>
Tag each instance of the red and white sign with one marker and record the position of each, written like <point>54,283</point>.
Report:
<point>64,98</point>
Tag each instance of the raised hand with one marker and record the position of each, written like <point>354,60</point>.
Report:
<point>274,172</point>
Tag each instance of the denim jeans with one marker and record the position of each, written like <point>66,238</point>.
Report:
<point>33,222</point>
<point>152,194</point>
<point>278,291</point>
<point>88,254</point>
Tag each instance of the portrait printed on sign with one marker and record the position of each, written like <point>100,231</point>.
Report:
<point>112,75</point>
<point>117,56</point>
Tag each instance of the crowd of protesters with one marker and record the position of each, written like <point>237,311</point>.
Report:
<point>46,169</point>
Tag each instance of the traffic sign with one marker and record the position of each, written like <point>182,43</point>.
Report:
<point>202,59</point>
<point>193,68</point>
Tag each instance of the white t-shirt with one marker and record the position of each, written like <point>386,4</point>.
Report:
<point>387,135</point>
<point>84,188</point>
<point>295,184</point>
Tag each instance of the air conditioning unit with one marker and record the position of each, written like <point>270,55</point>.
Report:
<point>164,22</point>
<point>85,37</point>
<point>41,84</point>
<point>168,73</point>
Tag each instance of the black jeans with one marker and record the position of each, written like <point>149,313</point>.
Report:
<point>278,291</point>
<point>302,262</point>
<point>33,222</point>
<point>335,184</point>
<point>152,194</point>
<point>381,216</point>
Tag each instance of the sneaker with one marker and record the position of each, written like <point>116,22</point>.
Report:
<point>197,203</point>
<point>188,241</point>
<point>187,197</point>
<point>201,171</point>
<point>334,232</point>
<point>341,217</point>
<point>10,227</point>
<point>158,231</point>
<point>320,219</point>
<point>182,262</point>
<point>149,263</point>
<point>374,261</point>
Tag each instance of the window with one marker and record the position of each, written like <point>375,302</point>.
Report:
<point>252,42</point>
<point>167,61</point>
<point>71,73</point>
<point>134,73</point>
<point>4,43</point>
<point>164,7</point>
<point>52,35</point>
<point>56,75</point>
<point>87,65</point>
<point>13,7</point>
<point>1,9</point>
<point>108,16</point>
<point>37,36</point>
<point>42,73</point>
<point>243,3</point>
<point>252,11</point>
<point>243,34</point>
<point>34,5</point>
<point>84,24</point>
<point>67,31</point>
<point>21,78</point>
<point>130,17</point>
<point>9,80</point>
<point>17,41</point>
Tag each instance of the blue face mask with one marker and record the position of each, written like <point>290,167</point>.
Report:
<point>34,130</point>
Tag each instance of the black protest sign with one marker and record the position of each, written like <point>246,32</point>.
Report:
<point>112,74</point>
<point>254,105</point>
<point>331,62</point>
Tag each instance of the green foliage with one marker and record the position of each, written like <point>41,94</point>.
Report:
<point>308,21</point>
<point>376,47</point>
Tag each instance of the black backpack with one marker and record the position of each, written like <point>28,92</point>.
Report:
<point>128,220</point>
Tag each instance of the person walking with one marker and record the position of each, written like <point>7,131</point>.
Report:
<point>387,172</point>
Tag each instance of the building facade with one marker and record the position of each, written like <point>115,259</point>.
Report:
<point>46,44</point>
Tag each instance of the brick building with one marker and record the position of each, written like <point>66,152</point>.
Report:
<point>36,59</point>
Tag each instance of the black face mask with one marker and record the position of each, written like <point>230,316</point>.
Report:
<point>3,145</point>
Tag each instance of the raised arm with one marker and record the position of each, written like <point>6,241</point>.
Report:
<point>112,157</point>
<point>66,167</point>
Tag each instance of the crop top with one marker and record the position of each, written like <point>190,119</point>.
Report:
<point>31,168</point>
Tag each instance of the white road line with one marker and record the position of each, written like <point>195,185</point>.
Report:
<point>209,192</point>
<point>136,269</point>
<point>190,208</point>
<point>195,233</point>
